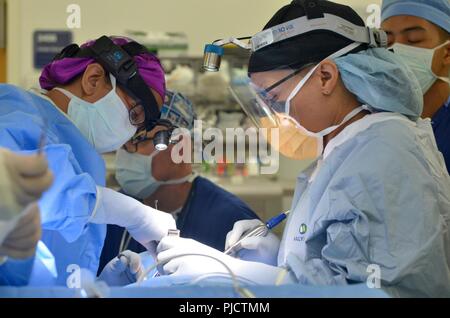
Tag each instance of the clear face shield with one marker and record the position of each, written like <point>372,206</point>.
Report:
<point>266,96</point>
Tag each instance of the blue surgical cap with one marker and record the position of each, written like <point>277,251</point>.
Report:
<point>178,110</point>
<point>435,11</point>
<point>382,81</point>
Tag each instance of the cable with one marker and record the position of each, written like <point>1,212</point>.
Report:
<point>218,275</point>
<point>240,290</point>
<point>124,244</point>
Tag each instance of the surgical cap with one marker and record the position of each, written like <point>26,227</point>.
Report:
<point>380,80</point>
<point>311,47</point>
<point>62,72</point>
<point>434,11</point>
<point>178,110</point>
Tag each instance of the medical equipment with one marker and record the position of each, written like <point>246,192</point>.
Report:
<point>242,291</point>
<point>373,37</point>
<point>118,60</point>
<point>260,230</point>
<point>170,232</point>
<point>213,52</point>
<point>177,112</point>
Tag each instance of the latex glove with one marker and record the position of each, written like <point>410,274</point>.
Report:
<point>123,270</point>
<point>145,224</point>
<point>21,242</point>
<point>262,249</point>
<point>171,249</point>
<point>23,179</point>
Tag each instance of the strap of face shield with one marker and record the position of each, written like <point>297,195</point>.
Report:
<point>118,60</point>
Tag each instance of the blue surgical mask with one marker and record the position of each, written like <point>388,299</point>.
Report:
<point>105,123</point>
<point>420,61</point>
<point>134,174</point>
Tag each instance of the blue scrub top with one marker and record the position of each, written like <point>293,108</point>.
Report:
<point>77,169</point>
<point>441,127</point>
<point>208,215</point>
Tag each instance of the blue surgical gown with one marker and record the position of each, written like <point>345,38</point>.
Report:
<point>208,215</point>
<point>67,206</point>
<point>441,127</point>
<point>376,207</point>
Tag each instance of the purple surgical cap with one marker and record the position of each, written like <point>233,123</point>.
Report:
<point>62,72</point>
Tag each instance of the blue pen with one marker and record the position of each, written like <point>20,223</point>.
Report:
<point>260,230</point>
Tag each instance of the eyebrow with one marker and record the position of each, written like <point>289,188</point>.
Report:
<point>407,30</point>
<point>413,29</point>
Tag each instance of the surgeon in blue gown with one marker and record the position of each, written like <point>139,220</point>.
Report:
<point>82,113</point>
<point>374,207</point>
<point>203,211</point>
<point>419,32</point>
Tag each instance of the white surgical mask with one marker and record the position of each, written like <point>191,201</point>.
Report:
<point>420,61</point>
<point>295,141</point>
<point>134,174</point>
<point>105,123</point>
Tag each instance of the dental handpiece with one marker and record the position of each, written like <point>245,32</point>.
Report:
<point>260,230</point>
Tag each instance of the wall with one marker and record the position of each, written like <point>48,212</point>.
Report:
<point>202,20</point>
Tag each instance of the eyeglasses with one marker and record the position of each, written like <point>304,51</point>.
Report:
<point>270,100</point>
<point>137,115</point>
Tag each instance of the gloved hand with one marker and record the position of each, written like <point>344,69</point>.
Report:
<point>21,242</point>
<point>123,270</point>
<point>171,248</point>
<point>23,179</point>
<point>145,224</point>
<point>263,249</point>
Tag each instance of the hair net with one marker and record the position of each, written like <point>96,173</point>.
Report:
<point>379,79</point>
<point>435,11</point>
<point>62,72</point>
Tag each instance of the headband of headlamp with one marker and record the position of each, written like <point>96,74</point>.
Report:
<point>314,20</point>
<point>118,60</point>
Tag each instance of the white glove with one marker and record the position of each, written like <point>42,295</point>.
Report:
<point>263,249</point>
<point>123,270</point>
<point>145,224</point>
<point>21,242</point>
<point>171,248</point>
<point>23,179</point>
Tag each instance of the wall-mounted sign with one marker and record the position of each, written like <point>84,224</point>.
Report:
<point>46,44</point>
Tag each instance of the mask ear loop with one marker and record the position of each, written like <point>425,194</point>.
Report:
<point>302,82</point>
<point>349,116</point>
<point>113,82</point>
<point>444,79</point>
<point>299,86</point>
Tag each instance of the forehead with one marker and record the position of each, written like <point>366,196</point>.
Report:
<point>405,23</point>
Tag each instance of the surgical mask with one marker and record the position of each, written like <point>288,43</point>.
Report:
<point>104,123</point>
<point>135,176</point>
<point>420,61</point>
<point>295,141</point>
<point>298,143</point>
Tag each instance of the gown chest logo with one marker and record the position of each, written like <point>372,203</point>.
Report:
<point>302,229</point>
